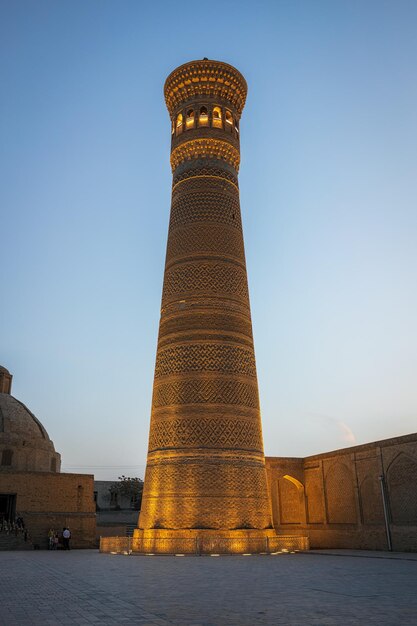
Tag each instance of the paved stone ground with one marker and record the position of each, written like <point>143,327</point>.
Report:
<point>323,588</point>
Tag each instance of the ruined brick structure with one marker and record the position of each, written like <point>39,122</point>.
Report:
<point>205,468</point>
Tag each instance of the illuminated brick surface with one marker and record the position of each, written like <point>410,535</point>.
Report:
<point>205,467</point>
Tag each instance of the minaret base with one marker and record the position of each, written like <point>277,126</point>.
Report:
<point>211,541</point>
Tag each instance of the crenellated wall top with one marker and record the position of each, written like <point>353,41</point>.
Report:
<point>205,77</point>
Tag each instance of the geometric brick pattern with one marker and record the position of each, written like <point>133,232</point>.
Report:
<point>205,432</point>
<point>205,277</point>
<point>206,478</point>
<point>208,173</point>
<point>203,391</point>
<point>205,148</point>
<point>198,239</point>
<point>205,358</point>
<point>205,205</point>
<point>209,79</point>
<point>207,322</point>
<point>210,479</point>
<point>203,513</point>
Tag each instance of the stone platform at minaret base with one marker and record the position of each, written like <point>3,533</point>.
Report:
<point>204,541</point>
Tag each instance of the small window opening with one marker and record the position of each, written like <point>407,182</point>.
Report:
<point>217,117</point>
<point>203,117</point>
<point>190,119</point>
<point>229,117</point>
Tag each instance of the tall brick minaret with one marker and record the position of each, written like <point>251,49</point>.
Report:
<point>205,475</point>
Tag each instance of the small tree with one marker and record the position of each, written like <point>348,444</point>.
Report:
<point>129,487</point>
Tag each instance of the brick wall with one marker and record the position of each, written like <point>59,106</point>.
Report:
<point>336,497</point>
<point>48,500</point>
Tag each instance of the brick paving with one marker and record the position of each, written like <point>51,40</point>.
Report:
<point>315,589</point>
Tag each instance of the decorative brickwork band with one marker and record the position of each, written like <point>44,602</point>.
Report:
<point>212,357</point>
<point>204,432</point>
<point>205,149</point>
<point>205,172</point>
<point>216,391</point>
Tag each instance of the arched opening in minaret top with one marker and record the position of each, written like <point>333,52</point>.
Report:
<point>203,117</point>
<point>217,117</point>
<point>190,119</point>
<point>179,123</point>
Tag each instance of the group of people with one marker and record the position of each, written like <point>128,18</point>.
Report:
<point>13,527</point>
<point>56,540</point>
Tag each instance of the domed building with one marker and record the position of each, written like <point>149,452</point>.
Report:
<point>24,442</point>
<point>31,483</point>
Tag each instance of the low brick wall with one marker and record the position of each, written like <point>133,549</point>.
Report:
<point>210,544</point>
<point>52,500</point>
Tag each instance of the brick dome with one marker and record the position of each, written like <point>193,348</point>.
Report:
<point>24,442</point>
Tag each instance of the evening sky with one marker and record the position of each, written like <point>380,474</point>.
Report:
<point>328,195</point>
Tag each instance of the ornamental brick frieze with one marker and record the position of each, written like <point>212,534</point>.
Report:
<point>205,277</point>
<point>211,78</point>
<point>198,304</point>
<point>188,338</point>
<point>214,206</point>
<point>223,324</point>
<point>207,477</point>
<point>210,258</point>
<point>205,148</point>
<point>210,173</point>
<point>205,432</point>
<point>194,239</point>
<point>197,456</point>
<point>209,412</point>
<point>221,391</point>
<point>204,513</point>
<point>208,357</point>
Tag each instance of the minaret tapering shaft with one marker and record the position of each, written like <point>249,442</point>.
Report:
<point>205,467</point>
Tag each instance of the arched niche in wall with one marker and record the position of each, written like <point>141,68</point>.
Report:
<point>291,500</point>
<point>340,495</point>
<point>371,500</point>
<point>402,489</point>
<point>314,495</point>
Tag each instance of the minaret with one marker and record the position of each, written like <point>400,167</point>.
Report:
<point>205,475</point>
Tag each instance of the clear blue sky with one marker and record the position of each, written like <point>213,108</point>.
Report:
<point>328,195</point>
